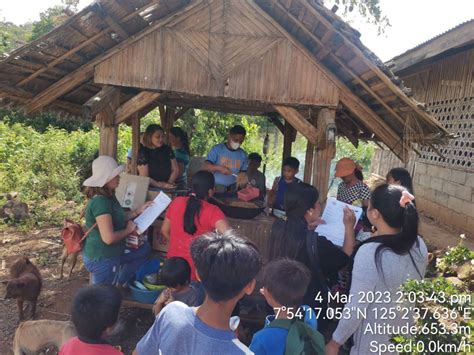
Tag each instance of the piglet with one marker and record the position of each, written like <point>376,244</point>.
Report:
<point>24,284</point>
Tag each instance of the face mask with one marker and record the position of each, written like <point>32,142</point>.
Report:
<point>234,145</point>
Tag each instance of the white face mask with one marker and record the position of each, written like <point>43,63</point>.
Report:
<point>234,145</point>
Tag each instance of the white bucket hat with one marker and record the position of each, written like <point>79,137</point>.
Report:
<point>104,169</point>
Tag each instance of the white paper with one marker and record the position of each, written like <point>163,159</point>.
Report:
<point>333,215</point>
<point>160,203</point>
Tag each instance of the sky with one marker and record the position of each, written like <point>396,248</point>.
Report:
<point>413,21</point>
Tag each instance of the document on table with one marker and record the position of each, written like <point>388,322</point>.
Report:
<point>333,215</point>
<point>160,203</point>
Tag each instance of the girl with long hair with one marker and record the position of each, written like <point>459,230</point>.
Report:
<point>382,264</point>
<point>190,217</point>
<point>295,238</point>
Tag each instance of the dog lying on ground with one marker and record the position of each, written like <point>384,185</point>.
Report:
<point>64,256</point>
<point>24,284</point>
<point>31,336</point>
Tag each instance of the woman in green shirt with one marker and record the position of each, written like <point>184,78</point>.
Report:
<point>105,255</point>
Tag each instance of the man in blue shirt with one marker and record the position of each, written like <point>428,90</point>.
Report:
<point>226,160</point>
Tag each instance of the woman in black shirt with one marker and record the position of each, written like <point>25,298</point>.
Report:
<point>295,238</point>
<point>156,159</point>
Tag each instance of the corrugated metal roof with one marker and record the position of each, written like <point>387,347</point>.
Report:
<point>453,44</point>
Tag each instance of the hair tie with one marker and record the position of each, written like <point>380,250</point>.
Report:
<point>406,199</point>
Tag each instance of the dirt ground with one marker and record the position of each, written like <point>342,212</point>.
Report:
<point>44,248</point>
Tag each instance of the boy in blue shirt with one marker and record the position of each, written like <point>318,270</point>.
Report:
<point>226,266</point>
<point>290,330</point>
<point>226,160</point>
<point>276,197</point>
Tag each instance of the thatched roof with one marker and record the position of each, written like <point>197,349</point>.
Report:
<point>56,71</point>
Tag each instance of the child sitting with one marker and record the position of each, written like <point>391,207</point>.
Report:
<point>95,310</point>
<point>226,265</point>
<point>281,183</point>
<point>255,177</point>
<point>284,285</point>
<point>176,276</point>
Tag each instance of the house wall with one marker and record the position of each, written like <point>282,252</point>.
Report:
<point>444,186</point>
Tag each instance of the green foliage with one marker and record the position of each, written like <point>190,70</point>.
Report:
<point>13,36</point>
<point>53,17</point>
<point>44,120</point>
<point>368,9</point>
<point>44,165</point>
<point>445,315</point>
<point>454,256</point>
<point>362,154</point>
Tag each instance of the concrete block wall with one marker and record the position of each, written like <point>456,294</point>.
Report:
<point>445,194</point>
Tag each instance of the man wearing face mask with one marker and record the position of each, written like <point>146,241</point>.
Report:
<point>226,160</point>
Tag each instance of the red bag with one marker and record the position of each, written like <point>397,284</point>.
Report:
<point>73,235</point>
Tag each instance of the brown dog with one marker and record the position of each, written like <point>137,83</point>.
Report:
<point>24,284</point>
<point>64,256</point>
<point>31,336</point>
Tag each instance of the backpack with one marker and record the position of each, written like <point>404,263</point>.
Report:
<point>73,236</point>
<point>301,339</point>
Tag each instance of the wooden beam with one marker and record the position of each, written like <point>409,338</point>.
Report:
<point>378,72</point>
<point>60,59</point>
<point>308,162</point>
<point>180,113</point>
<point>381,130</point>
<point>24,96</point>
<point>287,140</point>
<point>274,119</point>
<point>107,127</point>
<point>322,162</point>
<point>325,151</point>
<point>98,102</point>
<point>98,9</point>
<point>134,105</point>
<point>298,122</point>
<point>83,73</point>
<point>135,142</point>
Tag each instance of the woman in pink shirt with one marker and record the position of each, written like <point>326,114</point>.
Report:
<point>189,217</point>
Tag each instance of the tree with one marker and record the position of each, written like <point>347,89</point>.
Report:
<point>13,36</point>
<point>369,9</point>
<point>53,17</point>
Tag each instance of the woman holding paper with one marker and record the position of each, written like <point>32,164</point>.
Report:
<point>381,265</point>
<point>295,238</point>
<point>104,252</point>
<point>187,218</point>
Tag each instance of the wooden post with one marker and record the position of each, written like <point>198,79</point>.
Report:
<point>287,140</point>
<point>325,152</point>
<point>135,142</point>
<point>308,163</point>
<point>108,129</point>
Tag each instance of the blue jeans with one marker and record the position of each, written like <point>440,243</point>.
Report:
<point>119,269</point>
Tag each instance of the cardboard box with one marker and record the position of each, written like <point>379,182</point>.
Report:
<point>132,191</point>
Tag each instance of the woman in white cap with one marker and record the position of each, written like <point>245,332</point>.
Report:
<point>105,255</point>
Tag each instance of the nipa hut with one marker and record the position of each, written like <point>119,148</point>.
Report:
<point>440,72</point>
<point>292,60</point>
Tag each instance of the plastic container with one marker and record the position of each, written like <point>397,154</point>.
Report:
<point>145,296</point>
<point>248,194</point>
